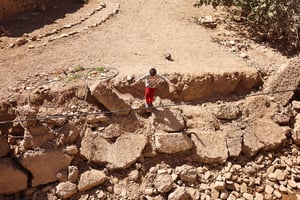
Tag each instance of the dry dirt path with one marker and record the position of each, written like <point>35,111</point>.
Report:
<point>132,41</point>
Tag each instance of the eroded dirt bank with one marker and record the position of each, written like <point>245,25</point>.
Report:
<point>94,140</point>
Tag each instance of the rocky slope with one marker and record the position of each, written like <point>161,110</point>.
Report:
<point>93,139</point>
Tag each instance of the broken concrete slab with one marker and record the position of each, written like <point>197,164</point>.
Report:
<point>120,154</point>
<point>211,146</point>
<point>110,98</point>
<point>285,82</point>
<point>12,178</point>
<point>263,134</point>
<point>44,165</point>
<point>172,142</point>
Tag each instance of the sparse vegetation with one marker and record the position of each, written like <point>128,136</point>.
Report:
<point>79,72</point>
<point>275,21</point>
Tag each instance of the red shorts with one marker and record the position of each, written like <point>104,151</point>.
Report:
<point>149,95</point>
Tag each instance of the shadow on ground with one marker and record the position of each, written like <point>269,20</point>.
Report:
<point>28,21</point>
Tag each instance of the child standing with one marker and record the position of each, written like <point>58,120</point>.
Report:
<point>151,80</point>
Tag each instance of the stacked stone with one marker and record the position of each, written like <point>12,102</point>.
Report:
<point>26,38</point>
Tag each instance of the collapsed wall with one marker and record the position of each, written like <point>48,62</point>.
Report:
<point>9,7</point>
<point>74,152</point>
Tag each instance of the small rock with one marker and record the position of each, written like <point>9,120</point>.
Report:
<point>282,189</point>
<point>224,194</point>
<point>134,175</point>
<point>219,185</point>
<point>62,176</point>
<point>248,196</point>
<point>73,173</point>
<point>207,21</point>
<point>243,55</point>
<point>71,150</point>
<point>163,183</point>
<point>21,41</point>
<point>66,189</point>
<point>179,194</point>
<point>292,183</point>
<point>259,196</point>
<point>168,56</point>
<point>269,189</point>
<point>149,191</point>
<point>277,194</point>
<point>90,179</point>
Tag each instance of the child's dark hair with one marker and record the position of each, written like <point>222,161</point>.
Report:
<point>152,71</point>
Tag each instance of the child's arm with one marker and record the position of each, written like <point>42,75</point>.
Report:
<point>165,79</point>
<point>139,80</point>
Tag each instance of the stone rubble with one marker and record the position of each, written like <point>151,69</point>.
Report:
<point>210,151</point>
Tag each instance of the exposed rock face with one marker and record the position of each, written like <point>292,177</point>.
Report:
<point>109,97</point>
<point>44,165</point>
<point>121,154</point>
<point>286,78</point>
<point>66,189</point>
<point>210,146</point>
<point>172,142</point>
<point>212,85</point>
<point>12,179</point>
<point>90,179</point>
<point>4,148</point>
<point>263,134</point>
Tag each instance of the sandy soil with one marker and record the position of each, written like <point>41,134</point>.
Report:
<point>132,41</point>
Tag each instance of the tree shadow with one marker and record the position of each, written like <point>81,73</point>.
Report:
<point>28,21</point>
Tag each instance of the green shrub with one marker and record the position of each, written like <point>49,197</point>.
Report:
<point>275,21</point>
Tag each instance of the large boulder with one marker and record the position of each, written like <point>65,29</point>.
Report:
<point>172,142</point>
<point>12,178</point>
<point>110,98</point>
<point>211,146</point>
<point>90,179</point>
<point>121,154</point>
<point>263,134</point>
<point>4,148</point>
<point>168,120</point>
<point>44,165</point>
<point>285,82</point>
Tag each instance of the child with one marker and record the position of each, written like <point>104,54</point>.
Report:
<point>151,81</point>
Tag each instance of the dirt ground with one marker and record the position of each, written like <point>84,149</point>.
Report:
<point>132,41</point>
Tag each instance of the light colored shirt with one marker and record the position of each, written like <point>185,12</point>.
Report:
<point>152,81</point>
